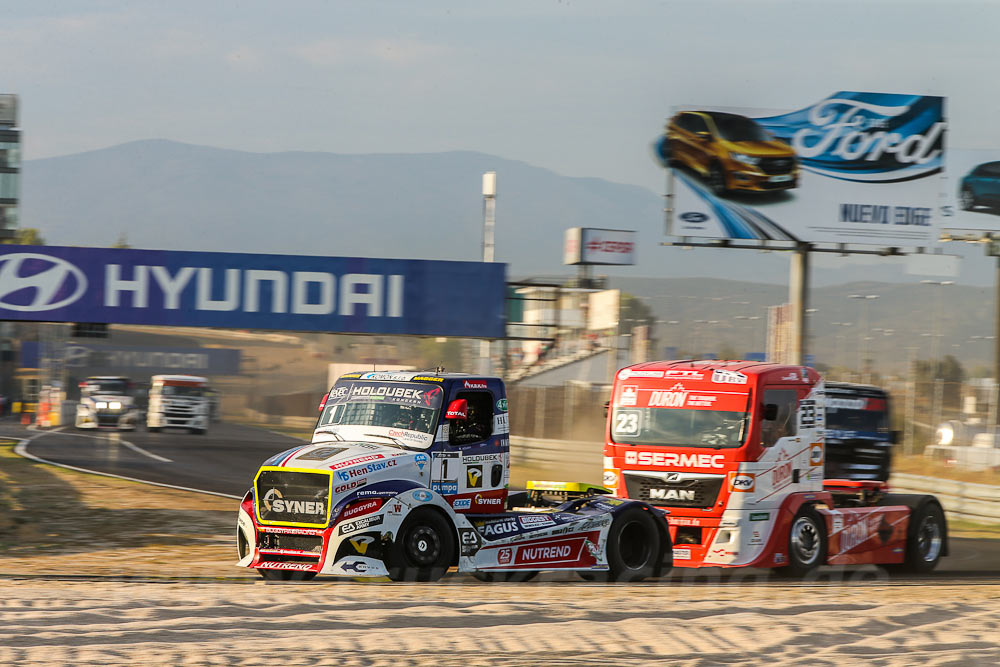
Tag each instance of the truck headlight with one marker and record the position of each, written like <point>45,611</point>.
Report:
<point>115,405</point>
<point>100,405</point>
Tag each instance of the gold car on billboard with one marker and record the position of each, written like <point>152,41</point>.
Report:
<point>732,152</point>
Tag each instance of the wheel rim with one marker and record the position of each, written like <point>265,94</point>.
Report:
<point>805,540</point>
<point>423,546</point>
<point>929,539</point>
<point>966,199</point>
<point>633,547</point>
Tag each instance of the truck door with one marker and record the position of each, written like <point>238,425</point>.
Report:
<point>481,464</point>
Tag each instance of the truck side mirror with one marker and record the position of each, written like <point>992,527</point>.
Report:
<point>458,409</point>
<point>770,412</point>
<point>322,404</point>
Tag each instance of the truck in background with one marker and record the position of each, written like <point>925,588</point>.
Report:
<point>734,450</point>
<point>106,401</point>
<point>178,401</point>
<point>859,435</point>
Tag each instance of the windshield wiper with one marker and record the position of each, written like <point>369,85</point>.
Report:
<point>399,443</point>
<point>330,431</point>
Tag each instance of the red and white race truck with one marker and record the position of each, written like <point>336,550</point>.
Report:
<point>735,451</point>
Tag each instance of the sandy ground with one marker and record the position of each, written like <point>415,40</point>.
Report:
<point>461,624</point>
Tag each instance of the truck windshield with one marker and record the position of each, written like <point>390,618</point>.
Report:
<point>181,390</point>
<point>116,387</point>
<point>407,411</point>
<point>866,415</point>
<point>679,427</point>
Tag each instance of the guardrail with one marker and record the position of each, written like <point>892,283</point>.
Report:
<point>961,500</point>
<point>570,459</point>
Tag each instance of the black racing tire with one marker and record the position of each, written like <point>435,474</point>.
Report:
<point>634,548</point>
<point>285,575</point>
<point>717,180</point>
<point>512,576</point>
<point>967,199</point>
<point>925,541</point>
<point>423,549</point>
<point>807,544</point>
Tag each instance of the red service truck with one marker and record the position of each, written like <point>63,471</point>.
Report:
<point>734,450</point>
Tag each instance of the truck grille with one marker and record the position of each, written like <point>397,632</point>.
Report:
<point>296,542</point>
<point>776,165</point>
<point>857,458</point>
<point>286,497</point>
<point>699,492</point>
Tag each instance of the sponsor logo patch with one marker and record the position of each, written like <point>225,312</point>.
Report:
<point>674,459</point>
<point>360,524</point>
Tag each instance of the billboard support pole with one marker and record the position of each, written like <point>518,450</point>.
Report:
<point>798,296</point>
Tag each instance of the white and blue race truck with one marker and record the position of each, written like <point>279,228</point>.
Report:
<point>407,476</point>
<point>106,401</point>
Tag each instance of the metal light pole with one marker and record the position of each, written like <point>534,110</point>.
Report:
<point>936,344</point>
<point>489,224</point>
<point>863,352</point>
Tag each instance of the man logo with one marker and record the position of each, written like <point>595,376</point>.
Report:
<point>693,216</point>
<point>361,542</point>
<point>54,282</point>
<point>475,474</point>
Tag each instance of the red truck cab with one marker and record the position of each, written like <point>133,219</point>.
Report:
<point>734,450</point>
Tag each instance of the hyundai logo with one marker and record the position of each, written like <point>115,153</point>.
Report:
<point>50,284</point>
<point>693,216</point>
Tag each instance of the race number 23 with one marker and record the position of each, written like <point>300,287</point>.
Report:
<point>627,422</point>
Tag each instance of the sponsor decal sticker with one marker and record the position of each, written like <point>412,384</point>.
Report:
<point>781,475</point>
<point>610,479</point>
<point>422,496</point>
<point>355,461</point>
<point>474,385</point>
<point>469,540</point>
<point>742,481</point>
<point>682,554</point>
<point>269,565</point>
<point>446,487</point>
<point>502,405</point>
<point>499,528</point>
<point>480,499</point>
<point>274,502</point>
<point>505,555</point>
<point>474,477</point>
<point>361,507</point>
<point>321,454</point>
<point>356,566</point>
<point>427,378</point>
<point>536,521</point>
<point>816,454</point>
<point>360,524</point>
<point>674,459</point>
<point>353,484</point>
<point>420,460</point>
<point>760,516</point>
<point>629,395</point>
<point>375,466</point>
<point>683,375</point>
<point>728,377</point>
<point>360,543</point>
<point>462,503</point>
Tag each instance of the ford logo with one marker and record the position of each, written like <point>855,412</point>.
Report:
<point>54,281</point>
<point>693,216</point>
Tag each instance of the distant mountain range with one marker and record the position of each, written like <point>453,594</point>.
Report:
<point>164,194</point>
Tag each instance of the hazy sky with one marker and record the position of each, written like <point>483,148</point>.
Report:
<point>579,87</point>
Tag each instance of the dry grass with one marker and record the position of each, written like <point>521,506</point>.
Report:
<point>922,465</point>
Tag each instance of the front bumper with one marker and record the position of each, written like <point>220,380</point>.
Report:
<point>107,419</point>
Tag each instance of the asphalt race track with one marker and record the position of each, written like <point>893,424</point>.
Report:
<point>223,461</point>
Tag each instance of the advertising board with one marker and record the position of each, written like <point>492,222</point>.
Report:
<point>854,168</point>
<point>250,291</point>
<point>97,358</point>
<point>588,245</point>
<point>603,309</point>
<point>971,203</point>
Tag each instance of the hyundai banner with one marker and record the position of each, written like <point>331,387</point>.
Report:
<point>96,358</point>
<point>249,291</point>
<point>854,168</point>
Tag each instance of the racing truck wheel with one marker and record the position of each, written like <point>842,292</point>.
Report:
<point>634,548</point>
<point>924,541</point>
<point>286,575</point>
<point>423,549</point>
<point>512,576</point>
<point>806,544</point>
